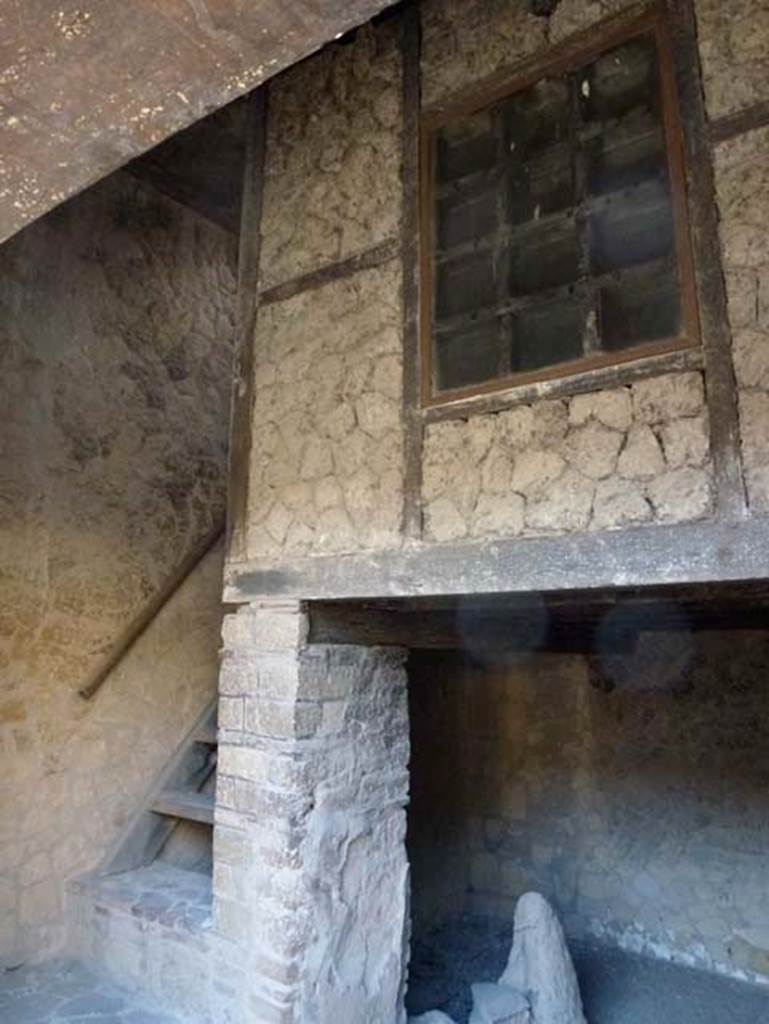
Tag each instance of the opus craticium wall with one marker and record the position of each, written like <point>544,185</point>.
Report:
<point>342,458</point>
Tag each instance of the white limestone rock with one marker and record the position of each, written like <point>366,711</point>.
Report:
<point>432,1017</point>
<point>498,1004</point>
<point>540,965</point>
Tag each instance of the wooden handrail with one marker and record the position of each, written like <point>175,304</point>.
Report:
<point>117,650</point>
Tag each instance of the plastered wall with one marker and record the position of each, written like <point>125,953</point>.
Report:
<point>115,354</point>
<point>332,417</point>
<point>642,813</point>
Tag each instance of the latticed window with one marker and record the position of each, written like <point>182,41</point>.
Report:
<point>554,225</point>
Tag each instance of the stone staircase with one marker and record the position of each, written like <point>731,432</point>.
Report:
<point>144,917</point>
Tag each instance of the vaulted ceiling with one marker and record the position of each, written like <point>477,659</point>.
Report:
<point>87,85</point>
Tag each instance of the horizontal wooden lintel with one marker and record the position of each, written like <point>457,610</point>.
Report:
<point>702,552</point>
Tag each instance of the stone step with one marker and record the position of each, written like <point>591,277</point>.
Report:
<point>190,806</point>
<point>150,929</point>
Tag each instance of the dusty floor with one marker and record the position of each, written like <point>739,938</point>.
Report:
<point>63,992</point>
<point>617,987</point>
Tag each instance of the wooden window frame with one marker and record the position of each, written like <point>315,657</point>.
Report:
<point>562,59</point>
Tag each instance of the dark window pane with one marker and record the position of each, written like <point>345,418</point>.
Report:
<point>541,185</point>
<point>464,284</point>
<point>636,226</point>
<point>620,82</point>
<point>643,306</point>
<point>545,256</point>
<point>625,155</point>
<point>536,118</point>
<point>554,231</point>
<point>548,335</point>
<point>466,217</point>
<point>469,355</point>
<point>466,147</point>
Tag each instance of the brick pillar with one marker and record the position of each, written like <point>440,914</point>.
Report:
<point>310,870</point>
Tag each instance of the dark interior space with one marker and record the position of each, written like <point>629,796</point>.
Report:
<point>610,751</point>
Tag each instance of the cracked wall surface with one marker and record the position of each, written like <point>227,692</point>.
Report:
<point>463,42</point>
<point>734,50</point>
<point>115,354</point>
<point>332,173</point>
<point>323,483</point>
<point>742,184</point>
<point>602,460</point>
<point>641,813</point>
<point>327,458</point>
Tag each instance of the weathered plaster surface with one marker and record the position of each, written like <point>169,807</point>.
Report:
<point>327,461</point>
<point>608,459</point>
<point>742,185</point>
<point>463,42</point>
<point>734,50</point>
<point>332,172</point>
<point>115,342</point>
<point>641,813</point>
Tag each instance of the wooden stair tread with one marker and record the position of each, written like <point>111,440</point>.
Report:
<point>191,806</point>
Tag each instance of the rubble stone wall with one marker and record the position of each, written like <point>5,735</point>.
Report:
<point>310,871</point>
<point>115,369</point>
<point>734,51</point>
<point>332,172</point>
<point>641,813</point>
<point>596,461</point>
<point>327,470</point>
<point>327,441</point>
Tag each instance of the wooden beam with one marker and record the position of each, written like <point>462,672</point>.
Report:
<point>378,254</point>
<point>721,389</point>
<point>412,420</point>
<point>249,247</point>
<point>702,552</point>
<point>739,123</point>
<point>606,377</point>
<point>476,631</point>
<point>117,650</point>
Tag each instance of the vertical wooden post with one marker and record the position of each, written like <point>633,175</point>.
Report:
<point>730,501</point>
<point>412,419</point>
<point>246,313</point>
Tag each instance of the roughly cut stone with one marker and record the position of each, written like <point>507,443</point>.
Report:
<point>498,1004</point>
<point>681,494</point>
<point>495,514</point>
<point>686,442</point>
<point>666,398</point>
<point>742,295</point>
<point>612,408</point>
<point>565,506</point>
<point>444,521</point>
<point>750,349</point>
<point>593,450</point>
<point>540,964</point>
<point>619,503</point>
<point>550,422</point>
<point>432,1017</point>
<point>516,426</point>
<point>534,470</point>
<point>642,457</point>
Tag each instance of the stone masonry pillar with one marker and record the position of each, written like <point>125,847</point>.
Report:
<point>310,869</point>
